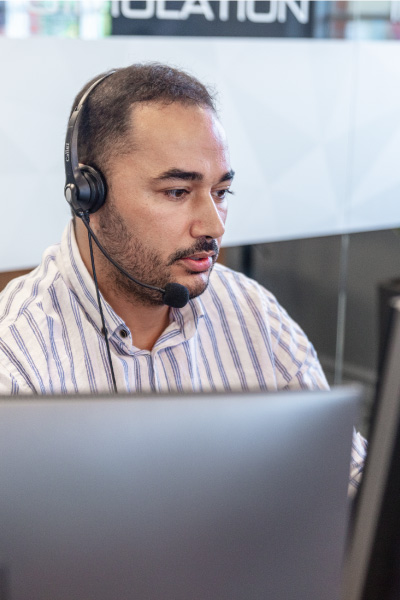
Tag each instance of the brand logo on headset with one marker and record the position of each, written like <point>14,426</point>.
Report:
<point>67,152</point>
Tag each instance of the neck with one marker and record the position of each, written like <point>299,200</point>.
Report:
<point>145,322</point>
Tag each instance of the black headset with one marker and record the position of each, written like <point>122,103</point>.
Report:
<point>85,187</point>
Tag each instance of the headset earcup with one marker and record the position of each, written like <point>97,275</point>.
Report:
<point>98,187</point>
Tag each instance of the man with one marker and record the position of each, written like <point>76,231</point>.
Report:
<point>154,134</point>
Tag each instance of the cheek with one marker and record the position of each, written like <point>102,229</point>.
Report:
<point>162,229</point>
<point>170,220</point>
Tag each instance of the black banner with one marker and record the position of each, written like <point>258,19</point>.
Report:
<point>223,18</point>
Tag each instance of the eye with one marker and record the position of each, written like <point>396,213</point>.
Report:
<point>221,194</point>
<point>177,194</point>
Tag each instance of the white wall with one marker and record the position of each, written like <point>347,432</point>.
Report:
<point>312,124</point>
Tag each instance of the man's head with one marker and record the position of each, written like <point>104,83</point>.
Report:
<point>105,130</point>
<point>154,134</point>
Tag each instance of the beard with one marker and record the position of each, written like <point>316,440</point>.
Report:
<point>140,261</point>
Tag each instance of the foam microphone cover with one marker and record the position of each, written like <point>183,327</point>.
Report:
<point>175,295</point>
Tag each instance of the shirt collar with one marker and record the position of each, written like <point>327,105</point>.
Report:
<point>183,321</point>
<point>183,324</point>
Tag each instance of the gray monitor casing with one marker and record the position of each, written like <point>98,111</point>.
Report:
<point>223,497</point>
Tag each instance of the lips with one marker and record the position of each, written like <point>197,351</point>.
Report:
<point>198,262</point>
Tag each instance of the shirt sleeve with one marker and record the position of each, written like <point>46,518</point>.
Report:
<point>8,384</point>
<point>309,375</point>
<point>295,359</point>
<point>297,367</point>
<point>358,454</point>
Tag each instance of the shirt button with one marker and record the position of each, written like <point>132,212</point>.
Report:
<point>123,333</point>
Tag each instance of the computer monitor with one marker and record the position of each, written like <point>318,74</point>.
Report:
<point>199,497</point>
<point>372,570</point>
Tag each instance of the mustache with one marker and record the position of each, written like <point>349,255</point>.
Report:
<point>201,245</point>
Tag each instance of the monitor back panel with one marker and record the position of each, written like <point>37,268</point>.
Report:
<point>226,498</point>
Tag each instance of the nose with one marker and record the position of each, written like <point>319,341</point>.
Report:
<point>208,218</point>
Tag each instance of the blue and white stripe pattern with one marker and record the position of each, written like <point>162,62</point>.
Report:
<point>235,336</point>
<point>359,450</point>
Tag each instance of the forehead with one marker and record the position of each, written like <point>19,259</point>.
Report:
<point>184,131</point>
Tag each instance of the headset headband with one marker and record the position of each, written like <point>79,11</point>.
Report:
<point>82,183</point>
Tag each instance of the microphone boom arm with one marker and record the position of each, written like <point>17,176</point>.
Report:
<point>174,294</point>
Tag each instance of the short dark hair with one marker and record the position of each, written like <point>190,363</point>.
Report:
<point>106,115</point>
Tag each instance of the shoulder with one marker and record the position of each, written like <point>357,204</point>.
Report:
<point>245,299</point>
<point>256,310</point>
<point>27,313</point>
<point>247,292</point>
<point>29,292</point>
<point>224,278</point>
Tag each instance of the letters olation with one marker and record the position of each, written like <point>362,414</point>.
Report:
<point>246,10</point>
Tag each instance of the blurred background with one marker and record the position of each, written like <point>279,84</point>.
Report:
<point>309,93</point>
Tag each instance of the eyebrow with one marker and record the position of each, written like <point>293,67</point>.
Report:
<point>191,175</point>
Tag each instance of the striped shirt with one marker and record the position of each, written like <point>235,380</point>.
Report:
<point>235,336</point>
